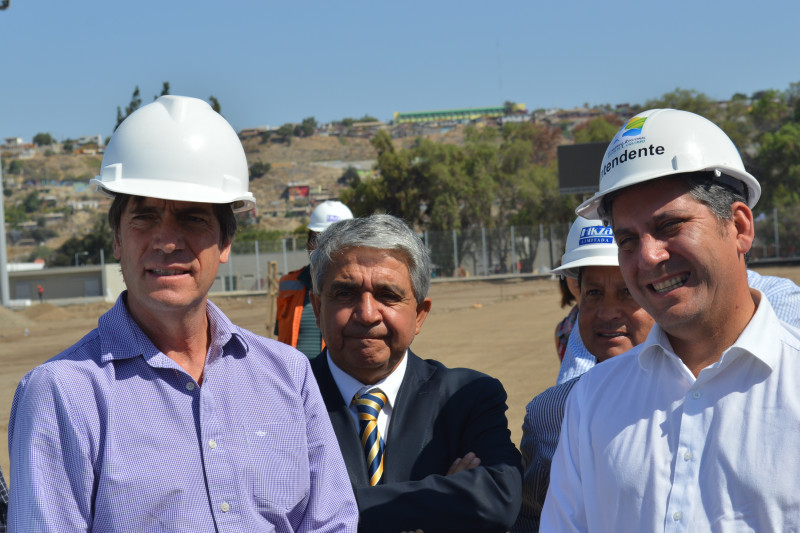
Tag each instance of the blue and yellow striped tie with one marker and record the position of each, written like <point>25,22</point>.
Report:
<point>369,405</point>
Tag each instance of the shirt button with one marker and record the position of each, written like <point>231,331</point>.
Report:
<point>190,385</point>
<point>212,444</point>
<point>696,395</point>
<point>677,516</point>
<point>687,456</point>
<point>224,507</point>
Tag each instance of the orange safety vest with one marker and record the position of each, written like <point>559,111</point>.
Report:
<point>291,297</point>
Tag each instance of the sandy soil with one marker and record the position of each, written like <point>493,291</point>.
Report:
<point>503,328</point>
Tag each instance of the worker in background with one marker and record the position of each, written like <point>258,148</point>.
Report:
<point>295,323</point>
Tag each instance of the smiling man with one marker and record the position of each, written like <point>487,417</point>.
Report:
<point>610,322</point>
<point>427,447</point>
<point>695,429</point>
<point>168,417</point>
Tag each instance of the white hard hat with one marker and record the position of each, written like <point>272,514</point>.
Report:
<point>589,243</point>
<point>663,142</point>
<point>177,148</point>
<point>327,213</point>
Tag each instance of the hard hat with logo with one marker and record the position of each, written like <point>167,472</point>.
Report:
<point>662,142</point>
<point>177,148</point>
<point>327,213</point>
<point>589,243</point>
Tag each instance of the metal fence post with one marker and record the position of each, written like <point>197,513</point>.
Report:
<point>285,261</point>
<point>230,272</point>
<point>455,253</point>
<point>483,249</point>
<point>513,252</point>
<point>258,267</point>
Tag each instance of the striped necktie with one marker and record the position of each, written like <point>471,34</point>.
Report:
<point>369,405</point>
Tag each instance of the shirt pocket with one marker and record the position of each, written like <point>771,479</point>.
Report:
<point>278,469</point>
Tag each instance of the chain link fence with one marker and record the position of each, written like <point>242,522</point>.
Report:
<point>476,251</point>
<point>777,234</point>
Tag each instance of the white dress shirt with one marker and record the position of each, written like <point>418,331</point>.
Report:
<point>350,386</point>
<point>647,447</point>
<point>782,293</point>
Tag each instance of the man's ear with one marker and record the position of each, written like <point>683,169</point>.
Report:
<point>117,246</point>
<point>315,304</point>
<point>422,313</point>
<point>225,251</point>
<point>745,227</point>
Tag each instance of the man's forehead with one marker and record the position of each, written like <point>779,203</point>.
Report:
<point>346,262</point>
<point>660,195</point>
<point>601,273</point>
<point>366,254</point>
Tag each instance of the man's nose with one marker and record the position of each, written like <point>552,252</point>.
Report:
<point>610,309</point>
<point>168,236</point>
<point>652,252</point>
<point>367,309</point>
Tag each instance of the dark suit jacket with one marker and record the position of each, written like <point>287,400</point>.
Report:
<point>439,414</point>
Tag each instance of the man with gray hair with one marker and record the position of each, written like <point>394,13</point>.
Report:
<point>427,447</point>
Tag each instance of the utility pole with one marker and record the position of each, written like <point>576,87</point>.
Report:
<point>5,298</point>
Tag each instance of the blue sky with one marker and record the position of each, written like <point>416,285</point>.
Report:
<point>65,66</point>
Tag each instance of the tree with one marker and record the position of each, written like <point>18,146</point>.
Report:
<point>778,161</point>
<point>544,139</point>
<point>136,101</point>
<point>309,126</point>
<point>31,203</point>
<point>770,110</point>
<point>685,100</point>
<point>598,129</point>
<point>99,238</point>
<point>43,139</point>
<point>164,90</point>
<point>349,177</point>
<point>793,100</point>
<point>258,169</point>
<point>286,132</point>
<point>215,104</point>
<point>15,167</point>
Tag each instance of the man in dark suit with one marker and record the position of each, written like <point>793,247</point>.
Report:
<point>426,447</point>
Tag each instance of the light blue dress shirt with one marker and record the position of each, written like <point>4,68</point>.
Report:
<point>112,435</point>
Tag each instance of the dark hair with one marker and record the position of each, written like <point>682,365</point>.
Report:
<point>567,298</point>
<point>223,212</point>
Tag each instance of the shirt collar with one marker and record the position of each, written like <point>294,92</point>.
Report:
<point>122,338</point>
<point>760,339</point>
<point>350,386</point>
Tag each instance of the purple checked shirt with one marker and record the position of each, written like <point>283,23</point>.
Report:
<point>112,435</point>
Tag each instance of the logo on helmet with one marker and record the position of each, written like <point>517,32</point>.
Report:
<point>596,235</point>
<point>332,218</point>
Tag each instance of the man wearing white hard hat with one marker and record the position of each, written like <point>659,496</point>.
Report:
<point>610,322</point>
<point>695,429</point>
<point>167,416</point>
<point>295,323</point>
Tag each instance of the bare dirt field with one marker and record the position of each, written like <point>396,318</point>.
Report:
<point>504,328</point>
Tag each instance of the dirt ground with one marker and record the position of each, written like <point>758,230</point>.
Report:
<point>503,328</point>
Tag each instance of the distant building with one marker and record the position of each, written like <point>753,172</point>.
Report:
<point>96,140</point>
<point>470,114</point>
<point>13,141</point>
